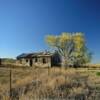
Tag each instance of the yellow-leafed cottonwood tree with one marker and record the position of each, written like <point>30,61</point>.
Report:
<point>71,47</point>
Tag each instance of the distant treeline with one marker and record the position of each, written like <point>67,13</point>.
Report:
<point>7,60</point>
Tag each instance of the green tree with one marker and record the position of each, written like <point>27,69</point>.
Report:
<point>71,47</point>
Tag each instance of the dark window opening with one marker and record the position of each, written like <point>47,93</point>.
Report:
<point>35,59</point>
<point>26,60</point>
<point>44,60</point>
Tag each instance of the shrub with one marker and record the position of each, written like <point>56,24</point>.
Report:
<point>98,73</point>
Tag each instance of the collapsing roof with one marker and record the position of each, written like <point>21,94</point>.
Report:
<point>38,54</point>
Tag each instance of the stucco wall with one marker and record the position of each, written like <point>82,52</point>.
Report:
<point>40,62</point>
<point>23,62</point>
<point>26,62</point>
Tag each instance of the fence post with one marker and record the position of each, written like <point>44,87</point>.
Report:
<point>10,84</point>
<point>0,61</point>
<point>48,71</point>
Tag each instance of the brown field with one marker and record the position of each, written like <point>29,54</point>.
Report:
<point>29,83</point>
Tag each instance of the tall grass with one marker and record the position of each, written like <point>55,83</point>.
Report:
<point>53,83</point>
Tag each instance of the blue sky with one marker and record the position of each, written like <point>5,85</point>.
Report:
<point>25,23</point>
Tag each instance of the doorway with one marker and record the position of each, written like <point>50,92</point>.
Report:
<point>31,63</point>
<point>44,60</point>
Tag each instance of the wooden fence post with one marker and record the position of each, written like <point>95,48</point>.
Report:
<point>10,84</point>
<point>0,61</point>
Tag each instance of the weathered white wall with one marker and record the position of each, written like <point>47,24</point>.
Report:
<point>40,62</point>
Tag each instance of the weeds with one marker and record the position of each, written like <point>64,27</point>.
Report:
<point>36,83</point>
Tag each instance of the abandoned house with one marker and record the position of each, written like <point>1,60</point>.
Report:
<point>42,59</point>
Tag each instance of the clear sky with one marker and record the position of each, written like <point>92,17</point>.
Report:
<point>24,24</point>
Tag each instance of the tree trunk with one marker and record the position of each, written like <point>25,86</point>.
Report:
<point>64,62</point>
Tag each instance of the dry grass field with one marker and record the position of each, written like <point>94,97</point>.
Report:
<point>50,84</point>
